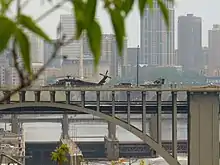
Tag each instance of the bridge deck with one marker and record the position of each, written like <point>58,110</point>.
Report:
<point>91,95</point>
<point>206,88</point>
<point>46,108</point>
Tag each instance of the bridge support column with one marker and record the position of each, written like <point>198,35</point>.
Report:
<point>65,124</point>
<point>52,96</point>
<point>112,143</point>
<point>111,130</point>
<point>15,127</point>
<point>65,127</point>
<point>203,128</point>
<point>15,124</point>
<point>153,127</point>
<point>37,96</point>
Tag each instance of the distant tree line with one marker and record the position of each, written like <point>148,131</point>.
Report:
<point>170,74</point>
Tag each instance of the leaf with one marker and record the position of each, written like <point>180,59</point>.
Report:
<point>119,28</point>
<point>141,6</point>
<point>150,3</point>
<point>90,11</point>
<point>94,35</point>
<point>7,29</point>
<point>5,4</point>
<point>31,25</point>
<point>165,12</point>
<point>79,8</point>
<point>23,43</point>
<point>127,6</point>
<point>117,3</point>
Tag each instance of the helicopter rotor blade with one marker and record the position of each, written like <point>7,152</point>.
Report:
<point>106,72</point>
<point>101,74</point>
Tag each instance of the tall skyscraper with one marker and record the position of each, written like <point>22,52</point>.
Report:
<point>118,66</point>
<point>37,48</point>
<point>157,41</point>
<point>67,28</point>
<point>214,51</point>
<point>190,42</point>
<point>49,49</point>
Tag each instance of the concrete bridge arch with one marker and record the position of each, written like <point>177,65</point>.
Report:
<point>144,137</point>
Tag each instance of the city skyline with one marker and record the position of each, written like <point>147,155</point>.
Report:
<point>182,7</point>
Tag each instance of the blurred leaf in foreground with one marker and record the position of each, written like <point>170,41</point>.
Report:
<point>7,29</point>
<point>95,36</point>
<point>31,25</point>
<point>24,46</point>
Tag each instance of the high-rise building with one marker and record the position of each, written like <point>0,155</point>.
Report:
<point>109,60</point>
<point>4,65</point>
<point>214,51</point>
<point>205,53</point>
<point>132,56</point>
<point>66,28</point>
<point>157,41</point>
<point>12,77</point>
<point>36,48</point>
<point>118,64</point>
<point>175,57</point>
<point>49,49</point>
<point>190,42</point>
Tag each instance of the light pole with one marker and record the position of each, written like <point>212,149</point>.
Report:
<point>137,65</point>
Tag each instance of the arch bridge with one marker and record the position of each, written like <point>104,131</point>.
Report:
<point>202,107</point>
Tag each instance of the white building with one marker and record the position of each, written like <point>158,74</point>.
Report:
<point>12,77</point>
<point>2,75</point>
<point>49,49</point>
<point>37,48</point>
<point>4,64</point>
<point>67,28</point>
<point>157,42</point>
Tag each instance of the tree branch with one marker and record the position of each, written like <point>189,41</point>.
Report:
<point>14,51</point>
<point>57,6</point>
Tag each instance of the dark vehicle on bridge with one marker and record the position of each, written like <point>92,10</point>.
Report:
<point>157,83</point>
<point>73,82</point>
<point>125,85</point>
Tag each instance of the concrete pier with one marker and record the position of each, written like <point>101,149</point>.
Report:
<point>65,126</point>
<point>111,143</point>
<point>203,128</point>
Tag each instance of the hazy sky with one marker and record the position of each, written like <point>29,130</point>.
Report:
<point>207,9</point>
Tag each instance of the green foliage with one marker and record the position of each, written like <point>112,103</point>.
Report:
<point>165,11</point>
<point>142,162</point>
<point>29,23</point>
<point>119,27</point>
<point>7,30</point>
<point>94,36</point>
<point>23,42</point>
<point>60,154</point>
<point>85,12</point>
<point>5,4</point>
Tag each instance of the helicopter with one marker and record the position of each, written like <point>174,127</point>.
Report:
<point>73,82</point>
